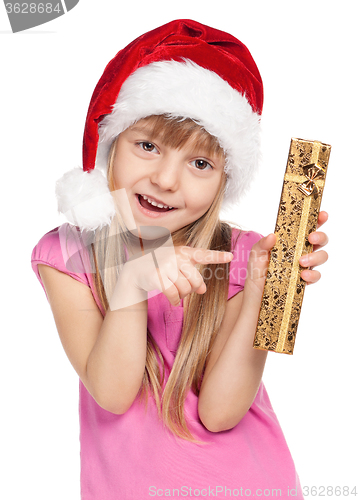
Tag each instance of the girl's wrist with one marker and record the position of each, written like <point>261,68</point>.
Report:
<point>247,325</point>
<point>252,295</point>
<point>126,293</point>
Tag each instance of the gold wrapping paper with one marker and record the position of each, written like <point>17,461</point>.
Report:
<point>297,217</point>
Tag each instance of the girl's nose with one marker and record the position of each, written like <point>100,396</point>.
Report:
<point>167,175</point>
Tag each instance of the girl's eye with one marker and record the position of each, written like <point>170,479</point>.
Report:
<point>148,146</point>
<point>201,164</point>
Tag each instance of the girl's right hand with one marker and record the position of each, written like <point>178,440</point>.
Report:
<point>172,270</point>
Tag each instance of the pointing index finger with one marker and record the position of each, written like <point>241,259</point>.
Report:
<point>204,256</point>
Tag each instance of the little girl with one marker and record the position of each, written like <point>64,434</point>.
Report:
<point>155,299</point>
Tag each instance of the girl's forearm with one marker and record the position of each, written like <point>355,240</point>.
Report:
<point>232,384</point>
<point>116,364</point>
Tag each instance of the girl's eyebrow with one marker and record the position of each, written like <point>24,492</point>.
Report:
<point>143,130</point>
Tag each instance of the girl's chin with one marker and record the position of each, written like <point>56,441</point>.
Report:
<point>150,232</point>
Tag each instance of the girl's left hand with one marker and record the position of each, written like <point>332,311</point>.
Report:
<point>260,254</point>
<point>318,239</point>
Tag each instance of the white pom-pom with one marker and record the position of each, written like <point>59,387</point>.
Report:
<point>85,199</point>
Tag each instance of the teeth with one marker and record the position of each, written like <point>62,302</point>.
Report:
<point>154,203</point>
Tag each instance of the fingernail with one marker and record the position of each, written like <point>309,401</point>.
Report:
<point>304,260</point>
<point>314,238</point>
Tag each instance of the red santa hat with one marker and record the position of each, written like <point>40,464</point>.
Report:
<point>181,69</point>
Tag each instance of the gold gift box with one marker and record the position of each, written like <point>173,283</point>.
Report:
<point>297,217</point>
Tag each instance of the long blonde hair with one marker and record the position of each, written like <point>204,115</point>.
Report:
<point>203,314</point>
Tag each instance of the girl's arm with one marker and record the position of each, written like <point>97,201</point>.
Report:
<point>234,369</point>
<point>108,353</point>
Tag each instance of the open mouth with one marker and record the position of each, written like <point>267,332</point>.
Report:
<point>146,204</point>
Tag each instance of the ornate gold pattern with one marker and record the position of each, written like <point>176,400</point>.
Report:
<point>297,217</point>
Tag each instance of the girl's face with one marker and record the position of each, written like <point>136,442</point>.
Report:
<point>186,179</point>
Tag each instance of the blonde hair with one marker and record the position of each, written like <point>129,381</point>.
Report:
<point>203,314</point>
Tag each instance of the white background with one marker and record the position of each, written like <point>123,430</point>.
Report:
<point>307,53</point>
